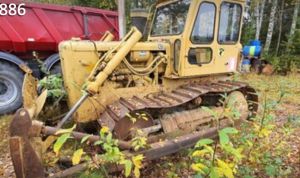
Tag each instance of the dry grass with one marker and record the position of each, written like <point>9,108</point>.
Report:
<point>4,123</point>
<point>274,85</point>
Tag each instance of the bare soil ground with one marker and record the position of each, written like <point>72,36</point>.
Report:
<point>178,165</point>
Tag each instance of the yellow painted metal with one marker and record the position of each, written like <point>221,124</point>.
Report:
<point>225,63</point>
<point>133,37</point>
<point>141,56</point>
<point>108,36</point>
<point>81,59</point>
<point>31,101</point>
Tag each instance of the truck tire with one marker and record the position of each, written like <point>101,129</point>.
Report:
<point>11,81</point>
<point>52,65</point>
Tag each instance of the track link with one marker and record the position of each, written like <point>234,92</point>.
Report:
<point>180,96</point>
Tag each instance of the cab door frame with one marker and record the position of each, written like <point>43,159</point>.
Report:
<point>219,58</point>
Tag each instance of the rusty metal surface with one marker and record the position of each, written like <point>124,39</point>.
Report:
<point>182,95</point>
<point>126,126</point>
<point>31,101</point>
<point>25,160</point>
<point>167,147</point>
<point>187,120</point>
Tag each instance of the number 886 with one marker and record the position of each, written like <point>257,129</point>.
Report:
<point>12,9</point>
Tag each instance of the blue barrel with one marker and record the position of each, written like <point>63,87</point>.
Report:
<point>255,43</point>
<point>246,62</point>
<point>252,51</point>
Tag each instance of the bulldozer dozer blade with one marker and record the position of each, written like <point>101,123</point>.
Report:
<point>160,149</point>
<point>31,101</point>
<point>25,160</point>
<point>28,165</point>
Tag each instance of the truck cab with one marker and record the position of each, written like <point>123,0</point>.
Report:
<point>204,35</point>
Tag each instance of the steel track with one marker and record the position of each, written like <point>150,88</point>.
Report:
<point>182,95</point>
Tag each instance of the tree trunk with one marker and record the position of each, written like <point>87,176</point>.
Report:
<point>122,18</point>
<point>259,10</point>
<point>293,27</point>
<point>271,26</point>
<point>280,26</point>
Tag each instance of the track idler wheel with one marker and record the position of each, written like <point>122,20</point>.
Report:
<point>237,102</point>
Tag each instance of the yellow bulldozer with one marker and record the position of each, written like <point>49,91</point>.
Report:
<point>187,63</point>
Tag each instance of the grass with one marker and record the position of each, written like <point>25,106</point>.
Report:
<point>4,123</point>
<point>274,85</point>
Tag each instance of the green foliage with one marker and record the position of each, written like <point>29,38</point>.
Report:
<point>77,156</point>
<point>244,153</point>
<point>103,4</point>
<point>224,135</point>
<point>248,33</point>
<point>283,63</point>
<point>54,85</point>
<point>110,154</point>
<point>60,142</point>
<point>139,142</point>
<point>206,162</point>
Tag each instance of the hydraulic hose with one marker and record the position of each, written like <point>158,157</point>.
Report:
<point>146,71</point>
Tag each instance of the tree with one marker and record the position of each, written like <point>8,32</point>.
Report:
<point>259,12</point>
<point>293,26</point>
<point>280,26</point>
<point>271,26</point>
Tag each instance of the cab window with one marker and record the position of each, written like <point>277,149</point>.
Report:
<point>203,31</point>
<point>230,19</point>
<point>170,19</point>
<point>199,56</point>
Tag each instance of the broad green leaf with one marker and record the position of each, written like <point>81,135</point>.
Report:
<point>224,139</point>
<point>137,172</point>
<point>237,153</point>
<point>60,142</point>
<point>223,134</point>
<point>230,130</point>
<point>98,142</point>
<point>77,156</point>
<point>199,153</point>
<point>109,137</point>
<point>209,149</point>
<point>85,138</point>
<point>63,131</point>
<point>214,173</point>
<point>203,142</point>
<point>128,167</point>
<point>137,162</point>
<point>225,169</point>
<point>199,167</point>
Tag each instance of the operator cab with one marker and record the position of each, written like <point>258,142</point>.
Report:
<point>204,35</point>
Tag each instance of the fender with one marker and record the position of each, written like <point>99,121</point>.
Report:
<point>15,60</point>
<point>50,61</point>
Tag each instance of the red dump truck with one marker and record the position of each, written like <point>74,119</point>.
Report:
<point>30,33</point>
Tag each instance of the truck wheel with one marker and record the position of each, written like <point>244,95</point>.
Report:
<point>52,64</point>
<point>55,69</point>
<point>11,81</point>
